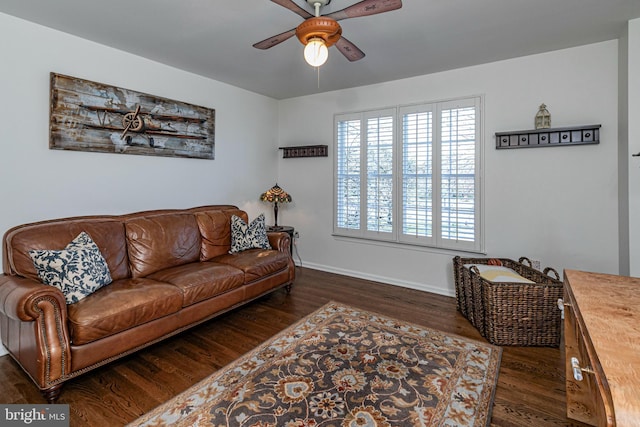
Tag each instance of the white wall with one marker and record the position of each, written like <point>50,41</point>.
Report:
<point>558,205</point>
<point>624,154</point>
<point>39,183</point>
<point>631,129</point>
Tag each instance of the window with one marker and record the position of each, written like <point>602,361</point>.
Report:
<point>410,174</point>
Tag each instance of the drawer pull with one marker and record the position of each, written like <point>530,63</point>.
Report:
<point>577,370</point>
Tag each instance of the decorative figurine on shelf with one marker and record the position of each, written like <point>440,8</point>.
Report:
<point>275,195</point>
<point>543,118</point>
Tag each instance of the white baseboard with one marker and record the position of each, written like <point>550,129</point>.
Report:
<point>387,280</point>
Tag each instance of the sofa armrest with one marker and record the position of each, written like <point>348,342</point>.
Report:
<point>34,322</point>
<point>280,241</point>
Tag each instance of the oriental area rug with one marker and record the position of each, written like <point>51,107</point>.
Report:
<point>345,367</point>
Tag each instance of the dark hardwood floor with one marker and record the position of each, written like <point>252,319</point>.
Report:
<point>530,389</point>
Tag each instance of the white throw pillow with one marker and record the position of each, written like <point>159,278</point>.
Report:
<point>250,236</point>
<point>78,270</point>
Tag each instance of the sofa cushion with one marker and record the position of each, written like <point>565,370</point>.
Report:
<point>160,241</point>
<point>248,236</point>
<point>256,263</point>
<point>107,233</point>
<point>122,305</point>
<point>201,280</point>
<point>78,270</point>
<point>215,228</point>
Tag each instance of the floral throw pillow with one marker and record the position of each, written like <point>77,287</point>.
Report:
<point>78,270</point>
<point>250,236</point>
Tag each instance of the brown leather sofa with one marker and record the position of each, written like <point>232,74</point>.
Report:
<point>171,270</point>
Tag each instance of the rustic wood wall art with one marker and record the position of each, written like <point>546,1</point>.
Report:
<point>89,116</point>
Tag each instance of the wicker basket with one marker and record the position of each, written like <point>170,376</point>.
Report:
<point>510,313</point>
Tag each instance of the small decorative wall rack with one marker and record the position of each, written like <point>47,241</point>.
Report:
<point>304,151</point>
<point>551,137</point>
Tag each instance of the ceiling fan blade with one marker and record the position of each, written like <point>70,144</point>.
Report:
<point>289,4</point>
<point>272,41</point>
<point>366,8</point>
<point>349,50</point>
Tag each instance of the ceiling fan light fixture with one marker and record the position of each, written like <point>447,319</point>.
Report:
<point>318,34</point>
<point>316,52</point>
<point>326,27</point>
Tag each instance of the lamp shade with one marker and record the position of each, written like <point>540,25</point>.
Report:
<point>276,194</point>
<point>316,52</point>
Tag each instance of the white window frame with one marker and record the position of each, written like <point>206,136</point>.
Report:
<point>436,240</point>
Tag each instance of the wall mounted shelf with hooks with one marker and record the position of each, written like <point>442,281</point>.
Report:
<point>304,151</point>
<point>551,137</point>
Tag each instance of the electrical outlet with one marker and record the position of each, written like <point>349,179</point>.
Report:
<point>296,235</point>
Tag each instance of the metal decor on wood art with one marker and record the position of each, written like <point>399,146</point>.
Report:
<point>89,116</point>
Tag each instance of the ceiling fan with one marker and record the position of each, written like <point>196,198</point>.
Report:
<point>319,32</point>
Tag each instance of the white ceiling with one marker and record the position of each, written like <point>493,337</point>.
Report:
<point>214,38</point>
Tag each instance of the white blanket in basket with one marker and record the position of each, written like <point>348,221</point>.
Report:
<point>496,273</point>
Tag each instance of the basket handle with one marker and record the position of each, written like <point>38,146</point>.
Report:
<point>548,269</point>
<point>524,258</point>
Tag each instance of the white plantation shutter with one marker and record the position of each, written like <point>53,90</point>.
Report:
<point>417,174</point>
<point>458,184</point>
<point>418,184</point>
<point>348,179</point>
<point>364,174</point>
<point>379,173</point>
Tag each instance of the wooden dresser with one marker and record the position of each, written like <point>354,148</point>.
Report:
<point>602,347</point>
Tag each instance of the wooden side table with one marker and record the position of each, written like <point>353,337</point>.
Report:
<point>286,229</point>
